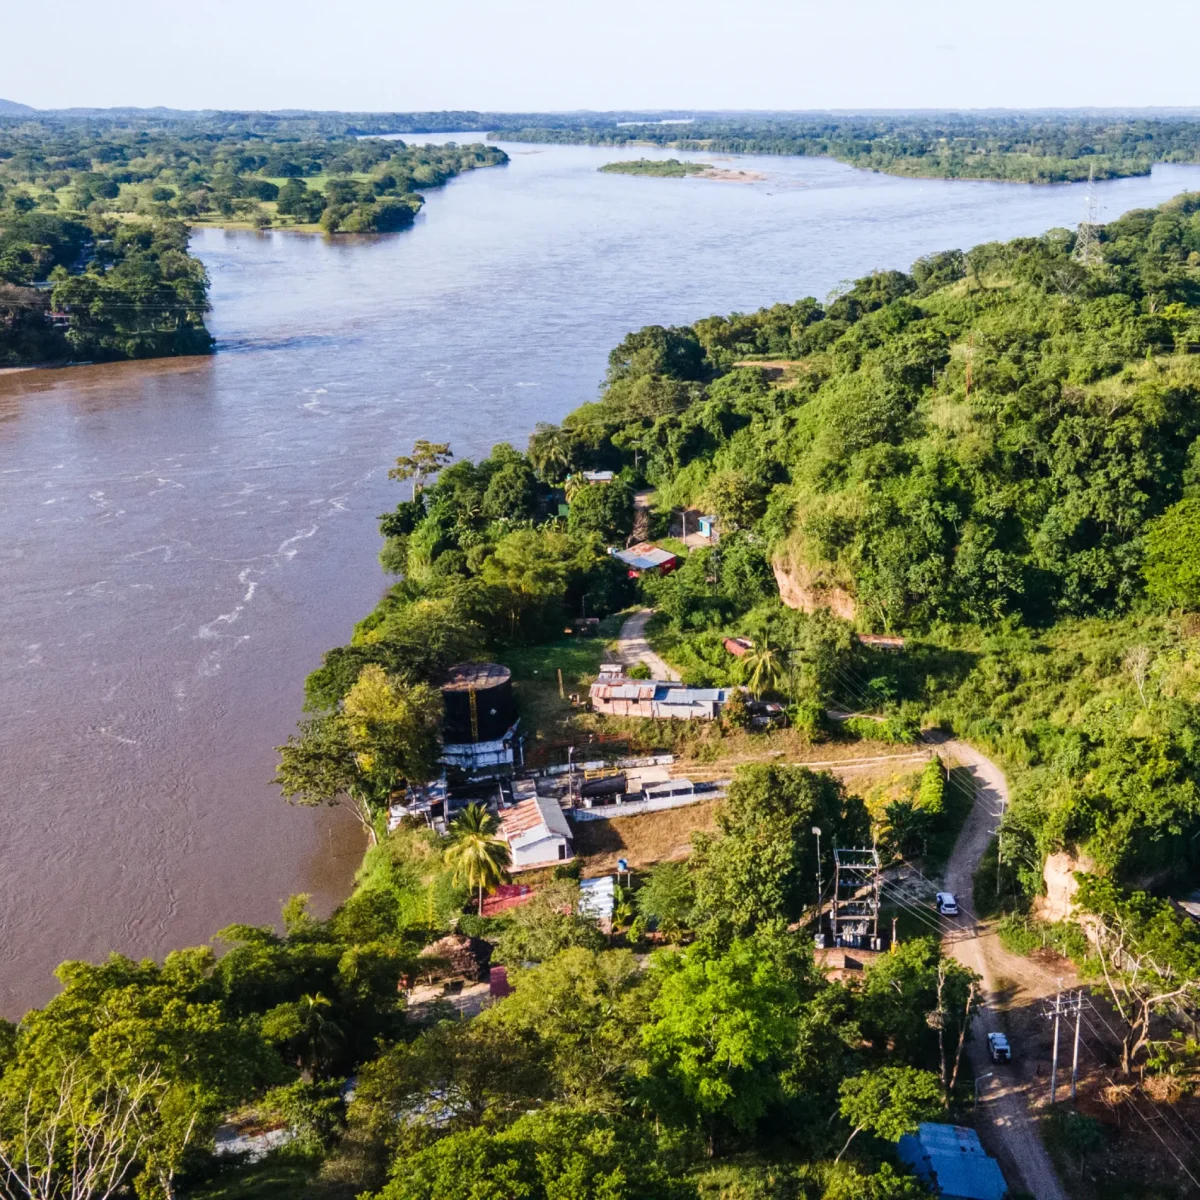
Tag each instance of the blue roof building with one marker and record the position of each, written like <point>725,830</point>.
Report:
<point>951,1160</point>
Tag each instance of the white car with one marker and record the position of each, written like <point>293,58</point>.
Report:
<point>946,904</point>
<point>999,1048</point>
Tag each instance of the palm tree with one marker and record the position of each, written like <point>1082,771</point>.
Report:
<point>765,665</point>
<point>550,451</point>
<point>320,1034</point>
<point>475,854</point>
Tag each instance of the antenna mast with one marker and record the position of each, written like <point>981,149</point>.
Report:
<point>1087,249</point>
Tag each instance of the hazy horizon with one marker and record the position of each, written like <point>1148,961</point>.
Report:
<point>538,56</point>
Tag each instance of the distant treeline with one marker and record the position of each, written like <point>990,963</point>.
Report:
<point>304,123</point>
<point>1030,148</point>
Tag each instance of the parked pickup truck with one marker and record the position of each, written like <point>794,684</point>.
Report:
<point>999,1048</point>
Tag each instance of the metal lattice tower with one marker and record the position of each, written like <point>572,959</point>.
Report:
<point>1087,248</point>
<point>854,910</point>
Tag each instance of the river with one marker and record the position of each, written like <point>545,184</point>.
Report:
<point>180,540</point>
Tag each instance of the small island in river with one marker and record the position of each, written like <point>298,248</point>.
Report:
<point>674,168</point>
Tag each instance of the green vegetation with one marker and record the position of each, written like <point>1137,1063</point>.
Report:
<point>995,453</point>
<point>91,288</point>
<point>1018,147</point>
<point>668,168</point>
<point>94,259</point>
<point>596,1077</point>
<point>345,184</point>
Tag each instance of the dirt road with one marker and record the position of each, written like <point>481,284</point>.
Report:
<point>632,646</point>
<point>1005,1121</point>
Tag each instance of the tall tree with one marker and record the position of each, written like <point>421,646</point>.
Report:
<point>584,1009</point>
<point>889,1101</point>
<point>550,451</point>
<point>427,458</point>
<point>320,765</point>
<point>723,1025</point>
<point>1146,955</point>
<point>384,735</point>
<point>764,666</point>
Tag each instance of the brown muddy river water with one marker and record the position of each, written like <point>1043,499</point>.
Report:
<point>179,541</point>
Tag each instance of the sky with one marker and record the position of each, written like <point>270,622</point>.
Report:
<point>541,55</point>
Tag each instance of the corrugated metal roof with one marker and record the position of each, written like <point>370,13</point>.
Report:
<point>532,821</point>
<point>645,555</point>
<point>678,695</point>
<point>953,1159</point>
<point>628,690</point>
<point>597,897</point>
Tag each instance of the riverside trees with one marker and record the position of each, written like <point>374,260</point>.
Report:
<point>383,734</point>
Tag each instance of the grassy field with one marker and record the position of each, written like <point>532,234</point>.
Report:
<point>554,721</point>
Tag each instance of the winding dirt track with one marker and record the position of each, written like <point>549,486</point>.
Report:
<point>632,646</point>
<point>1004,1117</point>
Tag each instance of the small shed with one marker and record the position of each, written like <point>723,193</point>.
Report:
<point>646,556</point>
<point>499,987</point>
<point>597,899</point>
<point>506,896</point>
<point>708,528</point>
<point>598,476</point>
<point>738,646</point>
<point>951,1160</point>
<point>456,956</point>
<point>537,833</point>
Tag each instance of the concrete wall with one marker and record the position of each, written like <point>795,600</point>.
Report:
<point>610,812</point>
<point>539,854</point>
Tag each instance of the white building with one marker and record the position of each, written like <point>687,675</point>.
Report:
<point>537,833</point>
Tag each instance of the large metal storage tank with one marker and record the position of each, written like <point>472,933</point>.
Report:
<point>479,703</point>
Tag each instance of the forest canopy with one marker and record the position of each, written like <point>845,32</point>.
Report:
<point>94,260</point>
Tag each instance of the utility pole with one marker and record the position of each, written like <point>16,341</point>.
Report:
<point>1056,1013</point>
<point>999,858</point>
<point>1075,1052</point>
<point>820,885</point>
